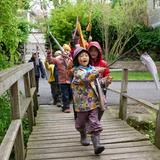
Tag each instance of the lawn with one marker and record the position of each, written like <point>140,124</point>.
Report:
<point>132,75</point>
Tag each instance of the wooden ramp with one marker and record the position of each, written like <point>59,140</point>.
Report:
<point>54,138</point>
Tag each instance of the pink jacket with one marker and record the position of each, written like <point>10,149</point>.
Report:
<point>62,63</point>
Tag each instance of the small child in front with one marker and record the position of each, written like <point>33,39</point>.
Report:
<point>85,99</point>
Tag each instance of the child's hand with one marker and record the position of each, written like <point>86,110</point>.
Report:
<point>107,80</point>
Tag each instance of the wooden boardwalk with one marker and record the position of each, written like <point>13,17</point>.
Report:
<point>54,138</point>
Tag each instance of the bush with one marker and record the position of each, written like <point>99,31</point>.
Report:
<point>5,114</point>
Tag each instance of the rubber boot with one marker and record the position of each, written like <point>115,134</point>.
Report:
<point>96,143</point>
<point>84,140</point>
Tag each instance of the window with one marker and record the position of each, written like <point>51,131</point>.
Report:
<point>157,3</point>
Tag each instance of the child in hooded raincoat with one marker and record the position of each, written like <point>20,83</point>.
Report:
<point>85,99</point>
<point>95,52</point>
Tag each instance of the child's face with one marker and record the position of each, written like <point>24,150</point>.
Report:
<point>83,59</point>
<point>93,52</point>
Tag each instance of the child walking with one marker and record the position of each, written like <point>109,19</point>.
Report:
<point>38,68</point>
<point>63,78</point>
<point>85,99</point>
<point>97,61</point>
<point>53,81</point>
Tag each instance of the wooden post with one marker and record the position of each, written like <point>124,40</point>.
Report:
<point>157,132</point>
<point>19,142</point>
<point>32,78</point>
<point>123,99</point>
<point>30,107</point>
<point>33,84</point>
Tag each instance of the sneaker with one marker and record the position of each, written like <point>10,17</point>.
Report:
<point>67,111</point>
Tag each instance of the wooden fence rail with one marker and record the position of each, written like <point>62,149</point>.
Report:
<point>123,105</point>
<point>9,82</point>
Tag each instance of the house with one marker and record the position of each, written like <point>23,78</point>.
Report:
<point>153,13</point>
<point>36,39</point>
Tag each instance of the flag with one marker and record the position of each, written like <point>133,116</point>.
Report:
<point>82,40</point>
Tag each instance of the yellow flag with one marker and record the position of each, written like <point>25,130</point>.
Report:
<point>82,40</point>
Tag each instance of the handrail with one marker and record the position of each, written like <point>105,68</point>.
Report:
<point>9,81</point>
<point>146,104</point>
<point>9,139</point>
<point>10,76</point>
<point>123,105</point>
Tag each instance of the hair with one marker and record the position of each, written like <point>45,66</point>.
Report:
<point>75,61</point>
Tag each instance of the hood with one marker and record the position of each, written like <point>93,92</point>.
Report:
<point>97,45</point>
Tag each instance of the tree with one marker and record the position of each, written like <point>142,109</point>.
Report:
<point>10,34</point>
<point>121,19</point>
<point>63,21</point>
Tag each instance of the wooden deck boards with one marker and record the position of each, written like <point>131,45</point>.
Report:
<point>54,137</point>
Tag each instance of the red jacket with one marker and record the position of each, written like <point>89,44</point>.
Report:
<point>100,62</point>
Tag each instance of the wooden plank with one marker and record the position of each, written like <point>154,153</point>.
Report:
<point>19,145</point>
<point>8,78</point>
<point>30,112</point>
<point>9,139</point>
<point>73,135</point>
<point>132,65</point>
<point>80,147</point>
<point>146,104</point>
<point>24,106</point>
<point>54,139</point>
<point>15,106</point>
<point>33,90</point>
<point>89,152</point>
<point>123,100</point>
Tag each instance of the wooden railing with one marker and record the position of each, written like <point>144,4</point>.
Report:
<point>123,105</point>
<point>9,82</point>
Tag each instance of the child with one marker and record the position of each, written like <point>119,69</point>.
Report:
<point>38,68</point>
<point>53,81</point>
<point>63,78</point>
<point>85,99</point>
<point>95,52</point>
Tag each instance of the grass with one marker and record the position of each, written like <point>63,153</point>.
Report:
<point>132,75</point>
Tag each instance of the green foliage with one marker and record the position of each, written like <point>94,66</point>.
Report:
<point>25,4</point>
<point>63,21</point>
<point>26,131</point>
<point>116,33</point>
<point>23,30</point>
<point>4,63</point>
<point>148,37</point>
<point>13,30</point>
<point>132,75</point>
<point>5,111</point>
<point>5,118</point>
<point>147,128</point>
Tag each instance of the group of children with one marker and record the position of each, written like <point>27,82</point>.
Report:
<point>73,75</point>
<point>76,75</point>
